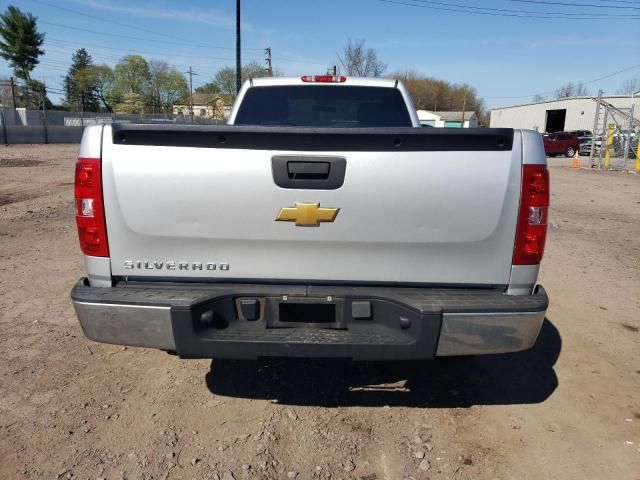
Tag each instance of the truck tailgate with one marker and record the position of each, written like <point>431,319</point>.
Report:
<point>418,207</point>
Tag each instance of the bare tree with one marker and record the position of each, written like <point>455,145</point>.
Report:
<point>538,98</point>
<point>358,61</point>
<point>571,89</point>
<point>433,94</point>
<point>629,86</point>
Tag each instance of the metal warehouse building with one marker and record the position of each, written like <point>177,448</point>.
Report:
<point>575,113</point>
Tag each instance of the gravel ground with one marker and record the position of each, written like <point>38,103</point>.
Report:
<point>567,409</point>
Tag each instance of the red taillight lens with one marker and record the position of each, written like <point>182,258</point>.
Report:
<point>324,78</point>
<point>532,217</point>
<point>92,230</point>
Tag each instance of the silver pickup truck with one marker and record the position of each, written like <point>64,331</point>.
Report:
<point>321,222</point>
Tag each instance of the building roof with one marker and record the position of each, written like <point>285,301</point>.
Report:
<point>455,116</point>
<point>554,100</point>
<point>445,116</point>
<point>427,115</point>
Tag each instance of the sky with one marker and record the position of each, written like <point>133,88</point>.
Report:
<point>508,50</point>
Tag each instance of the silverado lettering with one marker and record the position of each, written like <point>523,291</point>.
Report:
<point>173,265</point>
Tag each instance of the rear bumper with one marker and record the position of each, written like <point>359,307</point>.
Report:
<point>206,320</point>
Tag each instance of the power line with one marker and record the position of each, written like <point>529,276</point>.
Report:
<point>135,27</point>
<point>535,14</point>
<point>469,10</point>
<point>570,4</point>
<point>110,58</point>
<point>128,50</point>
<point>588,82</point>
<point>129,37</point>
<point>252,56</point>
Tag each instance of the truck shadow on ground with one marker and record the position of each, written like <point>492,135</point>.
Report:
<point>518,378</point>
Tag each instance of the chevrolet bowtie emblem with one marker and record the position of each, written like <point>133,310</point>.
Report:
<point>307,214</point>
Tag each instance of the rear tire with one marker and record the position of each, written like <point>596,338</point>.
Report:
<point>570,152</point>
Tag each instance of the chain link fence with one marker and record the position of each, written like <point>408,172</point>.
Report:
<point>615,139</point>
<point>22,125</point>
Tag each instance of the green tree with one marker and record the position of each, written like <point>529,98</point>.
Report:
<point>79,83</point>
<point>21,46</point>
<point>132,84</point>
<point>167,86</point>
<point>157,70</point>
<point>131,102</point>
<point>171,87</point>
<point>225,79</point>
<point>209,87</point>
<point>102,81</point>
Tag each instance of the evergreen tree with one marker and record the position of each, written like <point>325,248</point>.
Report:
<point>20,46</point>
<point>80,84</point>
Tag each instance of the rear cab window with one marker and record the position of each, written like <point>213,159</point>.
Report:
<point>323,106</point>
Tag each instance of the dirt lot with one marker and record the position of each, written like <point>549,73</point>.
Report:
<point>567,409</point>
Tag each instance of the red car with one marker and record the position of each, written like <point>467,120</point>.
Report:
<point>561,143</point>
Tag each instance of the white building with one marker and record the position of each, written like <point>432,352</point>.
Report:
<point>575,113</point>
<point>447,119</point>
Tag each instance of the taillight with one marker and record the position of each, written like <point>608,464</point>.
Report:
<point>92,230</point>
<point>323,78</point>
<point>532,218</point>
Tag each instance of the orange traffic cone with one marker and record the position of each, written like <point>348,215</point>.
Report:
<point>576,161</point>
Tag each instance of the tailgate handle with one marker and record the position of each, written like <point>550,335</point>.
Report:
<point>308,170</point>
<point>311,172</point>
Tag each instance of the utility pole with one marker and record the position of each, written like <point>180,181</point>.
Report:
<point>4,125</point>
<point>44,111</point>
<point>594,133</point>
<point>267,60</point>
<point>238,59</point>
<point>464,106</point>
<point>627,140</point>
<point>13,92</point>
<point>68,89</point>
<point>191,74</point>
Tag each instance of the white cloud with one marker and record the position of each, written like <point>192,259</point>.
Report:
<point>153,11</point>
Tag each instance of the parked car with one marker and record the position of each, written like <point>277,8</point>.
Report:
<point>581,133</point>
<point>561,143</point>
<point>585,146</point>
